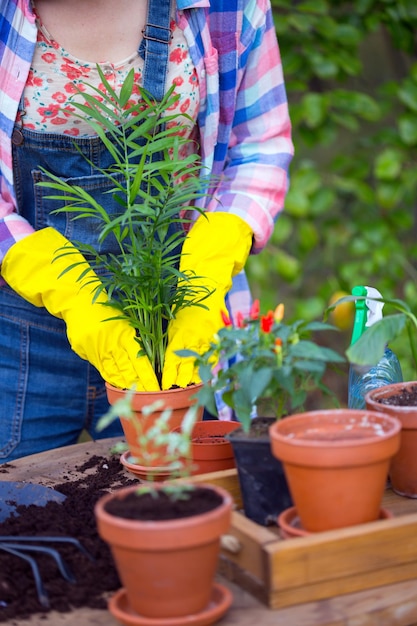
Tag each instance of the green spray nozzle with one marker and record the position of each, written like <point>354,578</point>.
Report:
<point>361,313</point>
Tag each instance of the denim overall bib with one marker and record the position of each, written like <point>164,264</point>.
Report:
<point>48,394</point>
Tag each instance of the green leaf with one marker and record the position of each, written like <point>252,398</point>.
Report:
<point>317,7</point>
<point>256,381</point>
<point>323,66</point>
<point>407,125</point>
<point>370,347</point>
<point>322,201</point>
<point>389,194</point>
<point>300,22</point>
<point>388,164</point>
<point>127,87</point>
<point>408,94</point>
<point>311,351</point>
<point>315,109</point>
<point>287,266</point>
<point>297,202</point>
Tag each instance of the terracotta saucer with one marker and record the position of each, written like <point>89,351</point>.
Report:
<point>290,524</point>
<point>144,471</point>
<point>221,600</point>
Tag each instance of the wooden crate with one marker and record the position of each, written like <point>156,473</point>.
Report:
<point>283,573</point>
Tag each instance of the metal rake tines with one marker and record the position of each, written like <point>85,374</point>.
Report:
<point>20,546</point>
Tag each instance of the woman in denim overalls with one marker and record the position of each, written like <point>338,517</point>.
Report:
<point>40,376</point>
<point>36,340</point>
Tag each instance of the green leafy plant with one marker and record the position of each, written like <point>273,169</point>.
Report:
<point>155,186</point>
<point>370,346</point>
<point>267,360</point>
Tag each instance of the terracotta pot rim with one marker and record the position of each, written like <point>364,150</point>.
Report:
<point>177,400</point>
<point>295,441</point>
<point>387,391</point>
<point>175,391</point>
<point>329,452</point>
<point>162,525</point>
<point>218,438</point>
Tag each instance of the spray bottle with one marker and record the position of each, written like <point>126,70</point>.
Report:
<point>387,370</point>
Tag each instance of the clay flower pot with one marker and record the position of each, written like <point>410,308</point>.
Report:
<point>336,463</point>
<point>167,567</point>
<point>403,469</point>
<point>210,451</point>
<point>179,400</point>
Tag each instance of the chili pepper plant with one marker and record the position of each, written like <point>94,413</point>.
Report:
<point>261,358</point>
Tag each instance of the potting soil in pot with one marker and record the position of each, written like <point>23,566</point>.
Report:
<point>148,508</point>
<point>73,518</point>
<point>405,397</point>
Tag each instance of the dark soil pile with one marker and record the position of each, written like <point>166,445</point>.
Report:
<point>405,397</point>
<point>72,518</point>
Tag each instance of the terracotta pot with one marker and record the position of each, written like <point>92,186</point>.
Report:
<point>336,463</point>
<point>210,451</point>
<point>403,469</point>
<point>179,400</point>
<point>290,524</point>
<point>167,568</point>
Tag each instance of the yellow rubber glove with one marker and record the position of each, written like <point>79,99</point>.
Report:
<point>216,248</point>
<point>30,269</point>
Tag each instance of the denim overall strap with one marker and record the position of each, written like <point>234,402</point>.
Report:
<point>154,47</point>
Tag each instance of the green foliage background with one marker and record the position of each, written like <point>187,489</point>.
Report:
<point>351,77</point>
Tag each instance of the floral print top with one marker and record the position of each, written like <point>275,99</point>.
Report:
<point>55,76</point>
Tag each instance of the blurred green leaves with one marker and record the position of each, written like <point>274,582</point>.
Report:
<point>349,217</point>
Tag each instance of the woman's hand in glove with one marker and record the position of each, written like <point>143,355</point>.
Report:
<point>34,270</point>
<point>216,248</point>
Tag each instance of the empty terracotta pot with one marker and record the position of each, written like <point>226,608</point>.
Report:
<point>336,463</point>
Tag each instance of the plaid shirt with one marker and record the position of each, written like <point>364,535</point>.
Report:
<point>243,120</point>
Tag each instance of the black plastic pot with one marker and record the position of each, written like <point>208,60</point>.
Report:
<point>262,481</point>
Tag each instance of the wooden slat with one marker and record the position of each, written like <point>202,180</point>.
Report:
<point>331,588</point>
<point>345,552</point>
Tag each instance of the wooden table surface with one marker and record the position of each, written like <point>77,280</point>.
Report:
<point>391,605</point>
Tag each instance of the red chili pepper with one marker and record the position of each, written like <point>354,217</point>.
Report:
<point>226,319</point>
<point>240,320</point>
<point>254,310</point>
<point>267,322</point>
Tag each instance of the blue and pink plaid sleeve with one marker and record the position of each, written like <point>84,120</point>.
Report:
<point>259,149</point>
<point>17,38</point>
